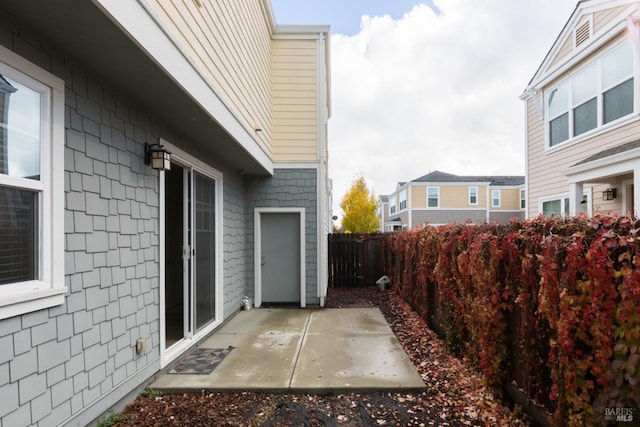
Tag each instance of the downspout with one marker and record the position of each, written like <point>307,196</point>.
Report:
<point>324,214</point>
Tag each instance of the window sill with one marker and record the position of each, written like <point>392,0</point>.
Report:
<point>34,300</point>
<point>592,133</point>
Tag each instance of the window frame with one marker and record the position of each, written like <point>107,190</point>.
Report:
<point>601,90</point>
<point>402,197</point>
<point>392,204</point>
<point>493,198</point>
<point>523,199</point>
<point>473,187</point>
<point>437,190</point>
<point>48,289</point>
<point>564,202</point>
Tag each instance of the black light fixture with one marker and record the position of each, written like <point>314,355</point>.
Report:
<point>609,194</point>
<point>157,156</point>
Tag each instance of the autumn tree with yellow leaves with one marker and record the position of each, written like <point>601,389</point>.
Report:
<point>359,205</point>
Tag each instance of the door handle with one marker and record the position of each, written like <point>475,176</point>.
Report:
<point>263,260</point>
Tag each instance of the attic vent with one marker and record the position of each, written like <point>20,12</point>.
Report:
<point>582,33</point>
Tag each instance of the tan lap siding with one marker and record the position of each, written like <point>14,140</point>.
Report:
<point>454,197</point>
<point>295,91</point>
<point>418,196</point>
<point>509,199</point>
<point>230,44</point>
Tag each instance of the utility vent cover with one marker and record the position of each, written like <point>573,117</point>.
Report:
<point>582,33</point>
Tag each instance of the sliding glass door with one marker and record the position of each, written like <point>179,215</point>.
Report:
<point>190,200</point>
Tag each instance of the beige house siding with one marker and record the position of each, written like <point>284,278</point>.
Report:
<point>600,20</point>
<point>544,174</point>
<point>454,197</point>
<point>445,216</point>
<point>295,94</point>
<point>483,201</point>
<point>604,17</point>
<point>230,44</point>
<point>418,196</point>
<point>509,199</point>
<point>565,50</point>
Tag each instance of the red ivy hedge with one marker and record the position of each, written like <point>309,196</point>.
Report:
<point>552,304</point>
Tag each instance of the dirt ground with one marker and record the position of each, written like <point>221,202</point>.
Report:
<point>455,394</point>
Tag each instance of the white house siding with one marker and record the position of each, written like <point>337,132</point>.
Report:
<point>230,43</point>
<point>295,99</point>
<point>70,363</point>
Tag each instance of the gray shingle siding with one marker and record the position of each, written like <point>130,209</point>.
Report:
<point>70,363</point>
<point>288,188</point>
<point>61,361</point>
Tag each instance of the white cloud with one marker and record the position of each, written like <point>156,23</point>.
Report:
<point>436,91</point>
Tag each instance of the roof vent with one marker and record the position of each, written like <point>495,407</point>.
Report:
<point>582,33</point>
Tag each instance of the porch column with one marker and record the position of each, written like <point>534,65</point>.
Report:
<point>576,193</point>
<point>636,191</point>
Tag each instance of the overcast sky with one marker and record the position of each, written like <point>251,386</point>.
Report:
<point>423,86</point>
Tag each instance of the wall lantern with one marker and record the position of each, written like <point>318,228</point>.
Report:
<point>609,194</point>
<point>157,156</point>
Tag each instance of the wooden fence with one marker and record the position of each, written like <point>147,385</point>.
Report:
<point>354,259</point>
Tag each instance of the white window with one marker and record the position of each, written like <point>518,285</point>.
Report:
<point>31,187</point>
<point>593,96</point>
<point>392,204</point>
<point>560,205</point>
<point>473,195</point>
<point>403,200</point>
<point>523,199</point>
<point>495,198</point>
<point>433,197</point>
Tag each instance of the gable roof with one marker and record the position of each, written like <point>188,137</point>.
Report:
<point>605,18</point>
<point>440,177</point>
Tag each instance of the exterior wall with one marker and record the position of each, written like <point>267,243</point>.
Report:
<point>287,188</point>
<point>295,100</point>
<point>446,216</point>
<point>418,196</point>
<point>79,356</point>
<point>230,44</point>
<point>454,196</point>
<point>544,168</point>
<point>509,199</point>
<point>70,363</point>
<point>504,217</point>
<point>236,246</point>
<point>604,17</point>
<point>565,50</point>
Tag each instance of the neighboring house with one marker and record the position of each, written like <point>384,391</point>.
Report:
<point>440,198</point>
<point>110,269</point>
<point>383,214</point>
<point>582,115</point>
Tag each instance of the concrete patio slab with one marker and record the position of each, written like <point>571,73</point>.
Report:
<point>326,350</point>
